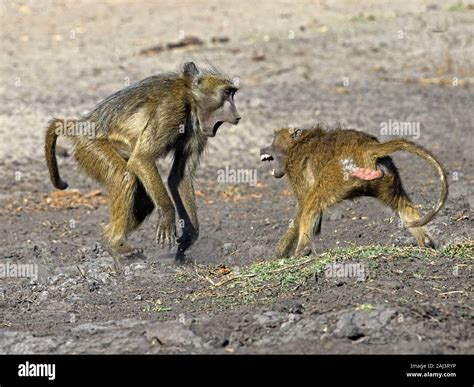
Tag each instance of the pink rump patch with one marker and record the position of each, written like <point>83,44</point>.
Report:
<point>367,174</point>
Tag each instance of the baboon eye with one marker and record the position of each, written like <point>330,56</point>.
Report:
<point>229,92</point>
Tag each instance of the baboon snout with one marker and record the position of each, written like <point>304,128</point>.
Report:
<point>234,116</point>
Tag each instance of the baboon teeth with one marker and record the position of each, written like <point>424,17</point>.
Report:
<point>266,157</point>
<point>272,172</point>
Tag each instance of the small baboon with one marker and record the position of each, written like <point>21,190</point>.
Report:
<point>119,142</point>
<point>326,167</point>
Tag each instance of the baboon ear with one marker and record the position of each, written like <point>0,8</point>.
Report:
<point>197,80</point>
<point>190,68</point>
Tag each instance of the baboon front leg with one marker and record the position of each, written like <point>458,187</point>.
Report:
<point>144,167</point>
<point>182,191</point>
<point>287,245</point>
<point>311,213</point>
<point>310,227</point>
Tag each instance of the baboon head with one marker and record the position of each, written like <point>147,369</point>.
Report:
<point>276,152</point>
<point>213,97</point>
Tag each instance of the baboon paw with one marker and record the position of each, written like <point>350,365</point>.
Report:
<point>136,253</point>
<point>429,243</point>
<point>185,242</point>
<point>303,252</point>
<point>180,258</point>
<point>279,254</point>
<point>125,259</point>
<point>184,239</point>
<point>61,184</point>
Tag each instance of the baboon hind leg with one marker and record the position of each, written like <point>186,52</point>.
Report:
<point>99,159</point>
<point>394,196</point>
<point>122,221</point>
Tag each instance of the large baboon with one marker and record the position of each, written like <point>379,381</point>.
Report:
<point>169,113</point>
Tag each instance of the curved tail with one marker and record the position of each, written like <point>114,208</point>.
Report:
<point>50,153</point>
<point>381,150</point>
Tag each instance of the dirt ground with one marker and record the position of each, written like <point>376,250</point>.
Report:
<point>358,63</point>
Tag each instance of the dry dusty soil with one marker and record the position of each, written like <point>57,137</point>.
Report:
<point>357,63</point>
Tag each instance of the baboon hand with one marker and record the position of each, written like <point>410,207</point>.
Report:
<point>189,236</point>
<point>166,230</point>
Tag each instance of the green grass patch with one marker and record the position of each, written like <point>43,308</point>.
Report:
<point>265,280</point>
<point>156,306</point>
<point>462,251</point>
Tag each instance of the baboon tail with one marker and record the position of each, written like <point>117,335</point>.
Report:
<point>50,153</point>
<point>400,145</point>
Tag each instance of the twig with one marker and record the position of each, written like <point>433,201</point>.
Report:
<point>204,277</point>
<point>83,275</point>
<point>451,292</point>
<point>379,290</point>
<point>292,266</point>
<point>239,276</point>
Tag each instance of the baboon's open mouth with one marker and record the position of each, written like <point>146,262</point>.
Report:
<point>266,157</point>
<point>216,126</point>
<point>269,157</point>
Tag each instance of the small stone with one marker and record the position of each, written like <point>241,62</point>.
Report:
<point>138,266</point>
<point>44,295</point>
<point>172,334</point>
<point>292,307</point>
<point>336,215</point>
<point>258,56</point>
<point>228,248</point>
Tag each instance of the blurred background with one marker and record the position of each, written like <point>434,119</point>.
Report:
<point>358,63</point>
